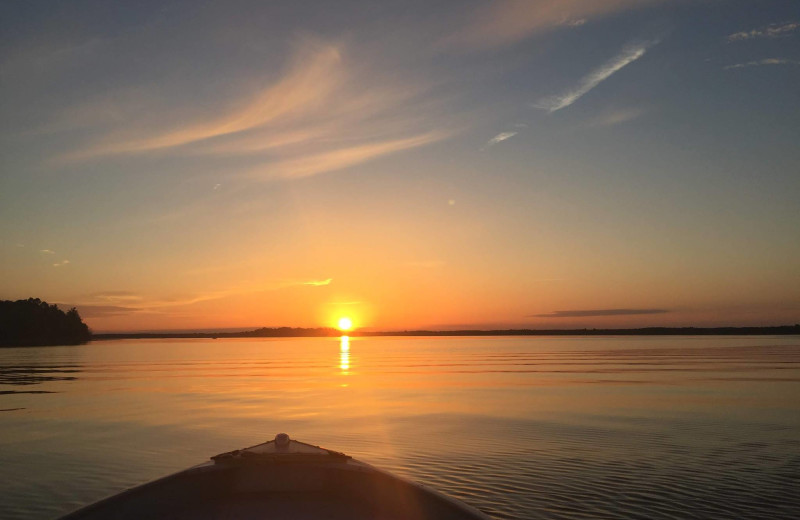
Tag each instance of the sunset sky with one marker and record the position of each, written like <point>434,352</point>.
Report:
<point>415,164</point>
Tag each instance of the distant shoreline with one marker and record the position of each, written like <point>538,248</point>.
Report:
<point>289,332</point>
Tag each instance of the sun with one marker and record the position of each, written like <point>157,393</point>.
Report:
<point>345,323</point>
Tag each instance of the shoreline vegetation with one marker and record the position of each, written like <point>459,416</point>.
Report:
<point>33,322</point>
<point>291,332</point>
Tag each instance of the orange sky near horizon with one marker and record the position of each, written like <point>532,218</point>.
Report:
<point>510,164</point>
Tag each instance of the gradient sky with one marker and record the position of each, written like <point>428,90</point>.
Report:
<point>415,164</point>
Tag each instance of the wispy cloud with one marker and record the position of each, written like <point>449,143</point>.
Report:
<point>317,283</point>
<point>102,311</point>
<point>575,22</point>
<point>116,296</point>
<point>508,21</point>
<point>775,30</point>
<point>629,54</point>
<point>113,303</point>
<point>598,313</point>
<point>499,138</point>
<point>323,114</point>
<point>766,61</point>
<point>615,117</point>
<point>339,158</point>
<point>47,251</point>
<point>313,75</point>
<point>61,263</point>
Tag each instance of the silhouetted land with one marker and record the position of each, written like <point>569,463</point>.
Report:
<point>286,332</point>
<point>32,322</point>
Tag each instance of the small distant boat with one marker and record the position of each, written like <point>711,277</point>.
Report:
<point>281,479</point>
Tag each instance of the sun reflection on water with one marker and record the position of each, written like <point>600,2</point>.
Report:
<point>344,354</point>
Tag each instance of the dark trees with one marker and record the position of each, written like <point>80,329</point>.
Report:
<point>33,322</point>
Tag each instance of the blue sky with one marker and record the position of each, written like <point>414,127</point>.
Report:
<point>438,164</point>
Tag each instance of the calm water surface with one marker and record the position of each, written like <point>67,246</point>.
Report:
<point>522,428</point>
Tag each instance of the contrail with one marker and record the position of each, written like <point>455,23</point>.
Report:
<point>629,54</point>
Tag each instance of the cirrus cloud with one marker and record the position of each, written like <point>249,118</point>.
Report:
<point>775,30</point>
<point>629,54</point>
<point>598,313</point>
<point>317,283</point>
<point>324,113</point>
<point>504,22</point>
<point>499,138</point>
<point>760,63</point>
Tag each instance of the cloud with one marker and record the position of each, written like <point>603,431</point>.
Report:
<point>325,113</point>
<point>134,302</point>
<point>102,311</point>
<point>116,296</point>
<point>99,306</point>
<point>47,251</point>
<point>313,75</point>
<point>575,22</point>
<point>598,313</point>
<point>337,159</point>
<point>113,303</point>
<point>629,54</point>
<point>504,22</point>
<point>317,283</point>
<point>61,263</point>
<point>615,117</point>
<point>775,30</point>
<point>766,61</point>
<point>500,138</point>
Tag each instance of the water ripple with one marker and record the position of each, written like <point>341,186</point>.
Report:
<point>523,428</point>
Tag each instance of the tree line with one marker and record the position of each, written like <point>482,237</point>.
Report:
<point>34,322</point>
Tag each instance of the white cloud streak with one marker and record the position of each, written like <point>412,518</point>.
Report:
<point>775,30</point>
<point>499,138</point>
<point>759,63</point>
<point>317,283</point>
<point>629,54</point>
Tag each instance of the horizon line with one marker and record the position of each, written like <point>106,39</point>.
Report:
<point>299,331</point>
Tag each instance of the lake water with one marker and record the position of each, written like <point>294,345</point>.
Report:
<point>522,428</point>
